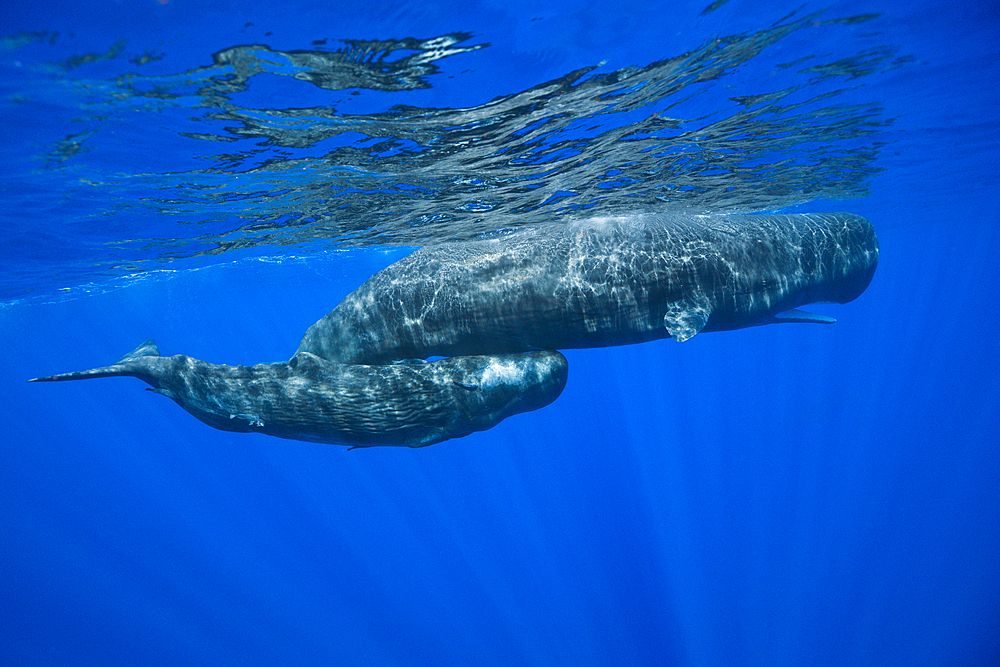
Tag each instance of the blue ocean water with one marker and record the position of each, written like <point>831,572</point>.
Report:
<point>219,175</point>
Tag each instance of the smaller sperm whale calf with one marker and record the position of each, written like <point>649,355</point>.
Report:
<point>309,398</point>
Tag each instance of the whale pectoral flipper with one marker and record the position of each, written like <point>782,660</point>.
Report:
<point>686,318</point>
<point>796,315</point>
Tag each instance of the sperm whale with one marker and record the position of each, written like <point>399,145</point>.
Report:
<point>599,282</point>
<point>309,398</point>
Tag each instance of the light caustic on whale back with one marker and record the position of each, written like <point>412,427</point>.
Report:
<point>490,305</point>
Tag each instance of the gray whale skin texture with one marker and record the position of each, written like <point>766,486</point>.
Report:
<point>308,398</point>
<point>599,282</point>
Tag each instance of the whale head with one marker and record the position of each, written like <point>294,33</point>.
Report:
<point>495,387</point>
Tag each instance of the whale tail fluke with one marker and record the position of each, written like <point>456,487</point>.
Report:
<point>133,364</point>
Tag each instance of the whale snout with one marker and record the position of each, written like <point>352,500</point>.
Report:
<point>504,385</point>
<point>541,377</point>
<point>860,259</point>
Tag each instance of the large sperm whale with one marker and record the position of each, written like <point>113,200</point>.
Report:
<point>308,398</point>
<point>599,282</point>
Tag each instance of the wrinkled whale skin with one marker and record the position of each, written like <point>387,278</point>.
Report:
<point>599,282</point>
<point>311,399</point>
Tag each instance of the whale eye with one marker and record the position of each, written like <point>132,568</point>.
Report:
<point>466,385</point>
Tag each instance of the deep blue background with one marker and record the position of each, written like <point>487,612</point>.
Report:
<point>786,495</point>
